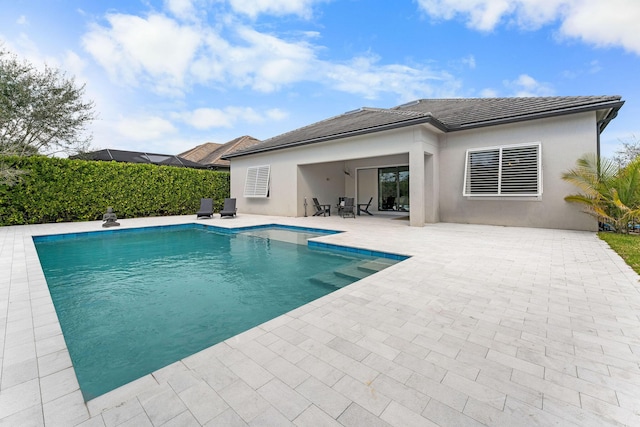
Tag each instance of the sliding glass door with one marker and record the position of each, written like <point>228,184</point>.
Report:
<point>393,188</point>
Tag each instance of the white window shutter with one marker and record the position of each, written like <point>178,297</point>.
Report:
<point>503,171</point>
<point>257,182</point>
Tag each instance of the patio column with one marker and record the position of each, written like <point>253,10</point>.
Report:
<point>417,181</point>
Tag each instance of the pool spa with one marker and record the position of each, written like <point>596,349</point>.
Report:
<point>132,301</point>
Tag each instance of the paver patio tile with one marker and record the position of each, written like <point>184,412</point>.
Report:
<point>400,416</point>
<point>289,334</point>
<point>612,412</point>
<point>582,385</point>
<point>244,400</point>
<point>270,417</point>
<point>476,390</point>
<point>516,363</point>
<point>251,373</point>
<point>284,398</point>
<point>423,367</point>
<point>565,394</point>
<point>349,349</point>
<point>387,367</point>
<point>119,414</point>
<point>228,418</point>
<point>162,404</point>
<point>357,370</point>
<point>511,389</point>
<point>184,419</point>
<point>356,416</point>
<point>320,370</point>
<point>67,410</point>
<point>140,420</point>
<point>573,415</point>
<point>31,416</point>
<point>58,384</point>
<point>404,395</point>
<point>315,417</point>
<point>19,397</point>
<point>286,371</point>
<point>54,362</point>
<point>444,415</point>
<point>203,402</point>
<point>364,394</point>
<point>324,397</point>
<point>256,352</point>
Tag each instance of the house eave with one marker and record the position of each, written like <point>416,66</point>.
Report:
<point>611,108</point>
<point>429,120</point>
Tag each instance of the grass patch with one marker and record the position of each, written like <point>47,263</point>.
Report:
<point>626,245</point>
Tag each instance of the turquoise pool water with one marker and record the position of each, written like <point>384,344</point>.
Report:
<point>132,302</point>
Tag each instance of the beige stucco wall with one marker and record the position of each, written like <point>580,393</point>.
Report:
<point>436,163</point>
<point>317,171</point>
<point>563,140</point>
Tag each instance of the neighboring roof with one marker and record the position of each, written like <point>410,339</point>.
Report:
<point>447,115</point>
<point>210,154</point>
<point>138,157</point>
<point>199,152</point>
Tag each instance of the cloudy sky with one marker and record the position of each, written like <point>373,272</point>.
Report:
<point>168,75</point>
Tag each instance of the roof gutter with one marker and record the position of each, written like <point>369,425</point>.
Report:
<point>602,123</point>
<point>613,106</point>
<point>421,120</point>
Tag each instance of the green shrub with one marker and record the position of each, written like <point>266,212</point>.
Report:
<point>60,190</point>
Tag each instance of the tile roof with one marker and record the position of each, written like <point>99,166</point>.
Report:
<point>209,154</point>
<point>447,115</point>
<point>197,153</point>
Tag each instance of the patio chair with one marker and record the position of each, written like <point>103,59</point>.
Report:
<point>229,208</point>
<point>365,209</point>
<point>320,208</point>
<point>348,208</point>
<point>206,209</point>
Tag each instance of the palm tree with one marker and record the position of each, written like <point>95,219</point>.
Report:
<point>609,193</point>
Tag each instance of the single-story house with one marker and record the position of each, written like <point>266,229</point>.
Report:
<point>210,154</point>
<point>111,155</point>
<point>494,161</point>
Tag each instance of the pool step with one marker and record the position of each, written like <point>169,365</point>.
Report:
<point>352,272</point>
<point>376,265</point>
<point>330,280</point>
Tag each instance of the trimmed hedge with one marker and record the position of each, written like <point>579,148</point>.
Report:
<point>63,190</point>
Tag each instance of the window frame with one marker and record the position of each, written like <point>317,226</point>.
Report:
<point>257,181</point>
<point>500,170</point>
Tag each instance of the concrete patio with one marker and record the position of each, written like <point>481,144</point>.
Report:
<point>483,325</point>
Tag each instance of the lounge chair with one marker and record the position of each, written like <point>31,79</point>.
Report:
<point>365,209</point>
<point>320,208</point>
<point>229,208</point>
<point>348,208</point>
<point>206,209</point>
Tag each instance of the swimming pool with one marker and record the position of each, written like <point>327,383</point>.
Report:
<point>133,301</point>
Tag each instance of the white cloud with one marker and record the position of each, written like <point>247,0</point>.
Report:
<point>172,56</point>
<point>253,8</point>
<point>144,128</point>
<point>22,20</point>
<point>525,85</point>
<point>156,48</point>
<point>365,77</point>
<point>183,9</point>
<point>209,118</point>
<point>597,22</point>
